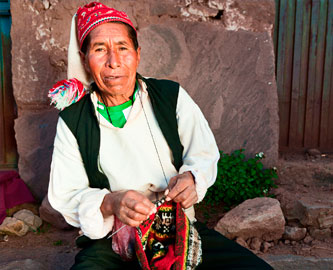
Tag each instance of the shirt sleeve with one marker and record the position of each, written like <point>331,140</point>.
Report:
<point>201,153</point>
<point>69,191</point>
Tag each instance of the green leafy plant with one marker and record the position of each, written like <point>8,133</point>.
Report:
<point>43,229</point>
<point>57,243</point>
<point>239,179</point>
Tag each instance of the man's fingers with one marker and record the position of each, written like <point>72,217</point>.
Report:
<point>175,191</point>
<point>135,216</point>
<point>139,203</point>
<point>173,182</point>
<point>186,194</point>
<point>190,200</point>
<point>129,221</point>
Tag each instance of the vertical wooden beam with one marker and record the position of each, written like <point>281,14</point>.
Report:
<point>284,66</point>
<point>299,79</point>
<point>320,63</point>
<point>311,136</point>
<point>326,121</point>
<point>2,115</point>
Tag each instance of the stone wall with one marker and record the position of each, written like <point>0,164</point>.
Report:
<point>220,51</point>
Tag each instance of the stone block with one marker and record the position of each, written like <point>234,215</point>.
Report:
<point>294,233</point>
<point>259,217</point>
<point>315,214</point>
<point>159,8</point>
<point>250,15</point>
<point>13,226</point>
<point>50,215</point>
<point>255,243</point>
<point>169,57</point>
<point>265,246</point>
<point>320,234</point>
<point>235,87</point>
<point>35,133</point>
<point>33,221</point>
<point>242,242</point>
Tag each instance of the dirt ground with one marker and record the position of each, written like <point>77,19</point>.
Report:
<point>299,176</point>
<point>311,177</point>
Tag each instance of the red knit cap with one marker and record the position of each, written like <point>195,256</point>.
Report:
<point>94,14</point>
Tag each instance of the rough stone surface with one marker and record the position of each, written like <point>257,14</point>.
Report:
<point>33,221</point>
<point>259,217</point>
<point>13,226</point>
<point>294,233</point>
<point>249,15</point>
<point>35,131</point>
<point>291,262</point>
<point>27,264</point>
<point>221,51</point>
<point>315,214</point>
<point>320,234</point>
<point>265,246</point>
<point>229,96</point>
<point>242,242</point>
<point>308,239</point>
<point>52,216</point>
<point>255,243</point>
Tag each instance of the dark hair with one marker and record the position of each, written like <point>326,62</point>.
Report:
<point>130,31</point>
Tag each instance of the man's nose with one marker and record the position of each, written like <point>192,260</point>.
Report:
<point>113,60</point>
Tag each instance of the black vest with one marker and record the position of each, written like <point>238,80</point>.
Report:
<point>81,119</point>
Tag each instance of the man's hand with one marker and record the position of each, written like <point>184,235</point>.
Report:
<point>182,190</point>
<point>131,207</point>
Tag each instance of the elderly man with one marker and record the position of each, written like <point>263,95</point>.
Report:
<point>131,157</point>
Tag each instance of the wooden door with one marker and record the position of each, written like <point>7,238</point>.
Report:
<point>304,49</point>
<point>8,153</point>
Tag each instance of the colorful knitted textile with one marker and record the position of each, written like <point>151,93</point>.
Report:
<point>94,14</point>
<point>167,240</point>
<point>66,92</point>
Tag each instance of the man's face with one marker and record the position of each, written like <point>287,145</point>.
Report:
<point>111,59</point>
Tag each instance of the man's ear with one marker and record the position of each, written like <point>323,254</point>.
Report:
<point>139,55</point>
<point>84,62</point>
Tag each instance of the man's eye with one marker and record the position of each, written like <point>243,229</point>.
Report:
<point>123,48</point>
<point>99,49</point>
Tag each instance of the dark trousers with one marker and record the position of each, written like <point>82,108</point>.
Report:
<point>218,253</point>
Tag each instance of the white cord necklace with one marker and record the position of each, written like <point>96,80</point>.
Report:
<point>158,155</point>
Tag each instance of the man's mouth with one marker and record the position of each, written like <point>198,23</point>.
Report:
<point>112,77</point>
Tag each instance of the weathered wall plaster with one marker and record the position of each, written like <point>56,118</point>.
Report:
<point>221,51</point>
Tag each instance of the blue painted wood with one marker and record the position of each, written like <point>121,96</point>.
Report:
<point>8,153</point>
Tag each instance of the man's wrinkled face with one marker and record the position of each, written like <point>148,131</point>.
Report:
<point>111,59</point>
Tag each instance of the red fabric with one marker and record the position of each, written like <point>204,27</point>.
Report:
<point>168,260</point>
<point>123,240</point>
<point>13,191</point>
<point>94,14</point>
<point>175,257</point>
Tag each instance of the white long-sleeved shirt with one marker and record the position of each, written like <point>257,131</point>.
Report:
<point>129,160</point>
